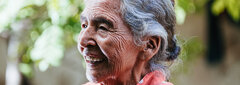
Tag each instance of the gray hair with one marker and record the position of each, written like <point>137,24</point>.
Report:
<point>153,18</point>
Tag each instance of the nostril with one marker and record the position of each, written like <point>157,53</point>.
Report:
<point>81,48</point>
<point>84,46</point>
<point>86,43</point>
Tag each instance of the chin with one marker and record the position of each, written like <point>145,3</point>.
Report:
<point>97,76</point>
<point>100,71</point>
<point>91,78</point>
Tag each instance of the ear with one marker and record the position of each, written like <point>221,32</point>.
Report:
<point>151,47</point>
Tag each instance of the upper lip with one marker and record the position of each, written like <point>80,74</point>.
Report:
<point>90,54</point>
<point>93,54</point>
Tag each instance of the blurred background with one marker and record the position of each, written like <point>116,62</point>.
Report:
<point>38,42</point>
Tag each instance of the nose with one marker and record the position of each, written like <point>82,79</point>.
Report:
<point>86,39</point>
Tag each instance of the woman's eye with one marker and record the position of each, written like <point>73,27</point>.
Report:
<point>84,26</point>
<point>103,28</point>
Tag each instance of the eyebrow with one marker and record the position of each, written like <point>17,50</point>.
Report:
<point>98,20</point>
<point>104,20</point>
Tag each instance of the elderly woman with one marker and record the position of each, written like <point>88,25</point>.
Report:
<point>127,42</point>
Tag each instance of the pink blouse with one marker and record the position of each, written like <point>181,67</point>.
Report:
<point>153,78</point>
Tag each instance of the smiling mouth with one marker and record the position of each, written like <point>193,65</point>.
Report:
<point>95,60</point>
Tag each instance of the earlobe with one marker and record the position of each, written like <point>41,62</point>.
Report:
<point>151,47</point>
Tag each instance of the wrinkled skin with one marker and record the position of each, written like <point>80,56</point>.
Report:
<point>107,37</point>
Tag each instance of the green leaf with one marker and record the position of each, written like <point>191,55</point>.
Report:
<point>49,48</point>
<point>233,9</point>
<point>25,69</point>
<point>180,15</point>
<point>218,7</point>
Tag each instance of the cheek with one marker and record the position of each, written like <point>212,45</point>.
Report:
<point>102,33</point>
<point>113,50</point>
<point>112,43</point>
<point>111,46</point>
<point>120,51</point>
<point>116,45</point>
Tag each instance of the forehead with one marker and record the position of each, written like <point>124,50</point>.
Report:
<point>112,3</point>
<point>108,6</point>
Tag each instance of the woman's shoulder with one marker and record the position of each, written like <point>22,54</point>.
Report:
<point>154,78</point>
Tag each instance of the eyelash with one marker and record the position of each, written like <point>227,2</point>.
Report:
<point>100,27</point>
<point>103,28</point>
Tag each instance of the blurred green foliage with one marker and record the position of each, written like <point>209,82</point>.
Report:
<point>55,26</point>
<point>184,7</point>
<point>191,47</point>
<point>231,6</point>
<point>191,50</point>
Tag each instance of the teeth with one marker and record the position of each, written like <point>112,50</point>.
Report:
<point>93,59</point>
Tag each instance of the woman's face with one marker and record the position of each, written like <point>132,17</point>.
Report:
<point>105,41</point>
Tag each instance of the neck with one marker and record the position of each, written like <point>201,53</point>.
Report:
<point>130,77</point>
